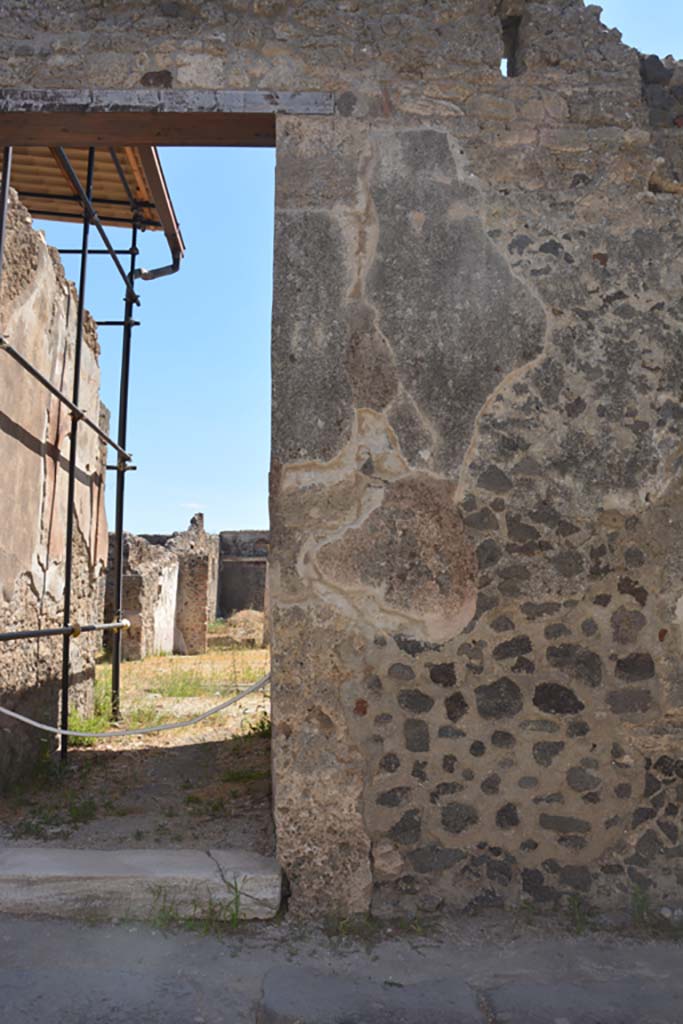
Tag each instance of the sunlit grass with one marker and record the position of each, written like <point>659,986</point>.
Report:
<point>100,720</point>
<point>148,685</point>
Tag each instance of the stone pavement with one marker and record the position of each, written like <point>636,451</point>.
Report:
<point>483,971</point>
<point>134,884</point>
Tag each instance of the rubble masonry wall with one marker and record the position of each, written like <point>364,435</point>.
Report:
<point>169,590</point>
<point>476,562</point>
<point>38,316</point>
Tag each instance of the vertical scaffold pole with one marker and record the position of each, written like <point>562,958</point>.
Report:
<point>73,452</point>
<point>121,481</point>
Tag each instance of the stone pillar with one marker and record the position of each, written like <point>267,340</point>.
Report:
<point>192,606</point>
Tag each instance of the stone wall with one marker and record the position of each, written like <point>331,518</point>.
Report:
<point>191,615</point>
<point>198,562</point>
<point>476,497</point>
<point>193,603</point>
<point>244,543</point>
<point>242,585</point>
<point>243,567</point>
<point>663,94</point>
<point>38,316</point>
<point>150,585</point>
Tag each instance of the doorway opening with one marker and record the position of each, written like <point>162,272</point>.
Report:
<point>207,785</point>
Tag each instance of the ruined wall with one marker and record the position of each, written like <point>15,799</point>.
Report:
<point>243,567</point>
<point>198,558</point>
<point>663,95</point>
<point>191,617</point>
<point>197,598</point>
<point>476,497</point>
<point>243,585</point>
<point>150,585</point>
<point>213,573</point>
<point>38,316</point>
<point>244,543</point>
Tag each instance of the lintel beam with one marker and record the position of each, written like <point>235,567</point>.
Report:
<point>86,117</point>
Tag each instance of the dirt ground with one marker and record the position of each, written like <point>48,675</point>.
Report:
<point>207,785</point>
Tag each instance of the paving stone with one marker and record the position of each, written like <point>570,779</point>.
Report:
<point>137,884</point>
<point>625,1001</point>
<point>292,995</point>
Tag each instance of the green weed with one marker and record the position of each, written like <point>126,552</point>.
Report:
<point>579,913</point>
<point>164,910</point>
<point>526,911</point>
<point>41,824</point>
<point>360,927</point>
<point>235,903</point>
<point>142,717</point>
<point>187,683</point>
<point>209,916</point>
<point>261,726</point>
<point>100,720</point>
<point>82,811</point>
<point>183,684</point>
<point>641,911</point>
<point>244,775</point>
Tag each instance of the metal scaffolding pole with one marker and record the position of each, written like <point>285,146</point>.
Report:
<point>76,412</point>
<point>75,629</point>
<point>128,324</point>
<point>73,451</point>
<point>86,199</point>
<point>89,218</point>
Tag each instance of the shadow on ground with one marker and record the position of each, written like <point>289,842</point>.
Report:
<point>212,793</point>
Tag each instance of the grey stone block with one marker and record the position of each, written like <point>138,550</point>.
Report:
<point>138,884</point>
<point>622,1001</point>
<point>293,995</point>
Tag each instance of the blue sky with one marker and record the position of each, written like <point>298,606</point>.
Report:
<point>199,424</point>
<point>199,414</point>
<point>652,26</point>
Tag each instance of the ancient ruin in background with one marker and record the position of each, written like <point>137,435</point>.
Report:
<point>176,584</point>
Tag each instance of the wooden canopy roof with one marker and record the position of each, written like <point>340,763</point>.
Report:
<point>128,181</point>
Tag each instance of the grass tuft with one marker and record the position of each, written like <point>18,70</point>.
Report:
<point>261,726</point>
<point>100,720</point>
<point>244,775</point>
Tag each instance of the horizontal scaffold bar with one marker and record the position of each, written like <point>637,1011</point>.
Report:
<point>74,630</point>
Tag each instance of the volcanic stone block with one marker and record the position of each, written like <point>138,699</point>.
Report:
<point>500,699</point>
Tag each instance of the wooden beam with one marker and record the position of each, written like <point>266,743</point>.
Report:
<point>121,128</point>
<point>175,117</point>
<point>62,173</point>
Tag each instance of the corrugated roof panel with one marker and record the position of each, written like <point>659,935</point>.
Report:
<point>46,191</point>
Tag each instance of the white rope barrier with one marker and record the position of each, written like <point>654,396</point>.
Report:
<point>114,733</point>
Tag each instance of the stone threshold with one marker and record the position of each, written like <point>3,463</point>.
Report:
<point>152,885</point>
